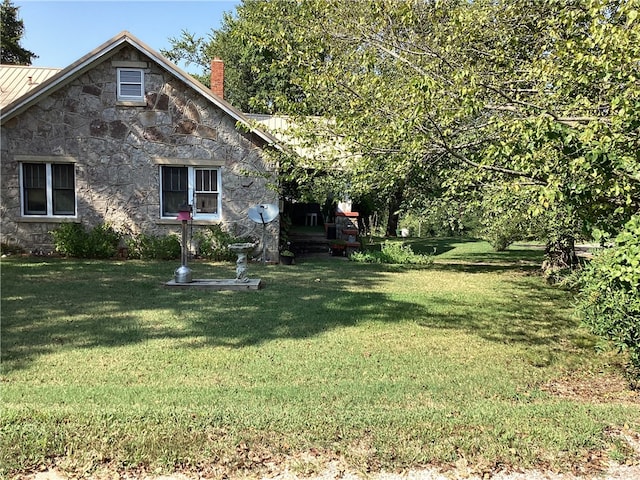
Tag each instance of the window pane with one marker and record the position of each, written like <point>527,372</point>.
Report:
<point>34,175</point>
<point>207,202</point>
<point>174,189</point>
<point>172,201</point>
<point>35,201</point>
<point>64,200</point>
<point>206,180</point>
<point>34,183</point>
<point>131,90</point>
<point>63,176</point>
<point>174,179</point>
<point>130,76</point>
<point>199,180</point>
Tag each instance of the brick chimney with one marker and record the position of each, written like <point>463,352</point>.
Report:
<point>217,77</point>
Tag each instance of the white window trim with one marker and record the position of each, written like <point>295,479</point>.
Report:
<point>49,193</point>
<point>191,182</point>
<point>131,98</point>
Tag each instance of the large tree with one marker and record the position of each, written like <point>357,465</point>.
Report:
<point>538,95</point>
<point>541,96</point>
<point>11,33</point>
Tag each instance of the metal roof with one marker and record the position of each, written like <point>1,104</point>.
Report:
<point>16,80</point>
<point>283,128</point>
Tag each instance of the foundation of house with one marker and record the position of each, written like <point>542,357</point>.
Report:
<point>214,284</point>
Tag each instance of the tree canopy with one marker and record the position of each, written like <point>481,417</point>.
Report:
<point>11,32</point>
<point>537,98</point>
<point>536,95</point>
<point>258,78</point>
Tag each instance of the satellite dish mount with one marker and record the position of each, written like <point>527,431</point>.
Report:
<point>264,213</point>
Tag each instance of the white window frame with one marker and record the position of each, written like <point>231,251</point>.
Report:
<point>191,191</point>
<point>140,84</point>
<point>49,192</point>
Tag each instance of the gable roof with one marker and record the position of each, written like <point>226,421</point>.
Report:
<point>16,80</point>
<point>85,63</point>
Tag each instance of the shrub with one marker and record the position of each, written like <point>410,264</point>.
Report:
<point>103,242</point>
<point>440,218</point>
<point>149,247</point>
<point>506,216</point>
<point>367,256</point>
<point>610,297</point>
<point>393,253</point>
<point>73,240</point>
<point>213,242</point>
<point>503,225</point>
<point>70,239</point>
<point>501,233</point>
<point>10,249</point>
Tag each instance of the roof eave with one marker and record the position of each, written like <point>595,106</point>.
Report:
<point>61,78</point>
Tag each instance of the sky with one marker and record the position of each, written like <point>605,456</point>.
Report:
<point>60,32</point>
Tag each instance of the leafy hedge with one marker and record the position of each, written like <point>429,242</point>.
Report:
<point>73,240</point>
<point>609,300</point>
<point>150,247</point>
<point>102,242</point>
<point>392,253</point>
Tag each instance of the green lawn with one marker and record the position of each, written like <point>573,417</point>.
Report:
<point>380,366</point>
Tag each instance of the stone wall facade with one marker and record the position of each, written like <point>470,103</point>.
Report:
<point>118,149</point>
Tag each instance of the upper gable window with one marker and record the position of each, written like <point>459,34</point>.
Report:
<point>131,84</point>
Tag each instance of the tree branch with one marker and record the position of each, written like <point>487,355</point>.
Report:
<point>512,107</point>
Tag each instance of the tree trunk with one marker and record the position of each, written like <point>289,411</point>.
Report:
<point>395,200</point>
<point>560,253</point>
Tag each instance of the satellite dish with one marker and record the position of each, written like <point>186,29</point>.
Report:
<point>263,213</point>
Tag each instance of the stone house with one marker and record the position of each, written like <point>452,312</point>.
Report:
<point>124,137</point>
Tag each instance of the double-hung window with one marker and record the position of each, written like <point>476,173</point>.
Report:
<point>196,186</point>
<point>48,189</point>
<point>206,191</point>
<point>131,84</point>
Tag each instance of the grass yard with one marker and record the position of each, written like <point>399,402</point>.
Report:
<point>472,359</point>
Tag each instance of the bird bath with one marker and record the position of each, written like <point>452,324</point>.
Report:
<point>241,249</point>
<point>241,282</point>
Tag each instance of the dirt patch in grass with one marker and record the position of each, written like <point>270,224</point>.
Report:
<point>593,388</point>
<point>336,471</point>
<point>601,388</point>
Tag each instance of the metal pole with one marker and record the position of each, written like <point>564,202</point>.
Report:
<point>184,243</point>
<point>183,273</point>
<point>264,247</point>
